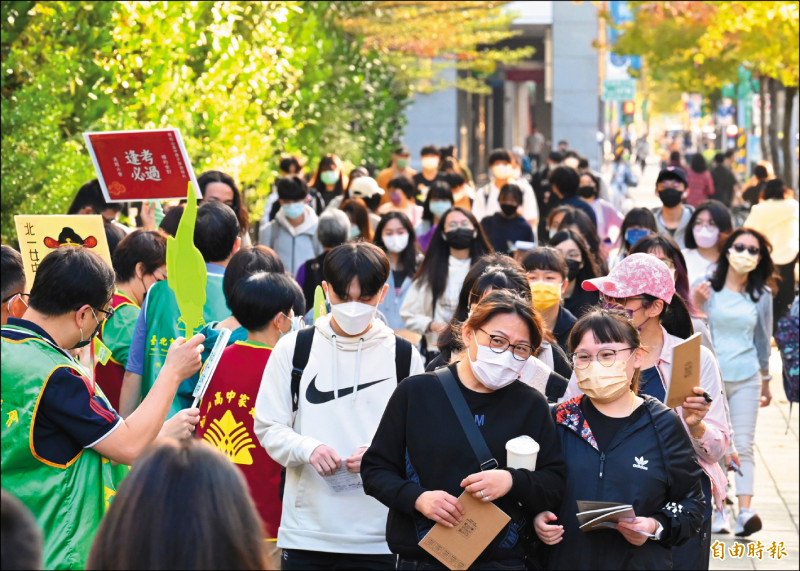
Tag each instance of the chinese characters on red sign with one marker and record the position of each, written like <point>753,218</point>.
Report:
<point>141,165</point>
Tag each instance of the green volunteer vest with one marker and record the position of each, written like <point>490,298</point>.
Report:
<point>164,325</point>
<point>67,500</point>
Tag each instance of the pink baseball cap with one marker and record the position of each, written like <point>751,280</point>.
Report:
<point>635,275</point>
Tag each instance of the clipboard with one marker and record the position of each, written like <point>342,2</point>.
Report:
<point>458,547</point>
<point>685,371</point>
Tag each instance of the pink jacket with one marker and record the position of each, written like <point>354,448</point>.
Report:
<point>714,442</point>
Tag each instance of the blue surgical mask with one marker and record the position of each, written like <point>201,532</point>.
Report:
<point>439,207</point>
<point>633,235</point>
<point>293,210</point>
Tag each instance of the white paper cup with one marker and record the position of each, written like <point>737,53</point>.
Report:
<point>521,452</point>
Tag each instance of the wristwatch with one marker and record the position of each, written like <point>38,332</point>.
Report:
<point>658,532</point>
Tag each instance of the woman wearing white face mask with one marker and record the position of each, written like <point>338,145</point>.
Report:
<point>738,302</point>
<point>395,236</point>
<point>420,460</point>
<point>709,226</point>
<point>620,448</point>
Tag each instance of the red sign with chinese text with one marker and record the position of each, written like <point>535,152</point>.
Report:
<point>141,165</point>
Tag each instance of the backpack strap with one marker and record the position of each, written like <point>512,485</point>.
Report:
<point>402,358</point>
<point>302,350</point>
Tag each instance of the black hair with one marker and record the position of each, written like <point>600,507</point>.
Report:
<point>671,249</point>
<point>545,258</point>
<point>760,172</point>
<point>292,188</point>
<point>408,257</point>
<point>555,156</point>
<point>491,263</point>
<point>583,163</point>
<point>589,270</point>
<point>430,150</point>
<point>675,316</point>
<point>215,231</point>
<point>773,190</point>
<point>447,151</point>
<point>325,163</point>
<point>499,155</point>
<point>91,194</point>
<point>114,235</point>
<point>499,278</point>
<point>698,163</point>
<point>586,228</point>
<point>434,267</point>
<point>247,262</point>
<point>439,190</point>
<point>719,158</point>
<point>12,273</point>
<point>675,156</point>
<point>68,278</point>
<point>639,216</point>
<point>720,214</point>
<point>361,260</point>
<point>171,219</point>
<point>258,298</point>
<point>757,280</point>
<point>512,190</point>
<point>455,180</point>
<point>567,180</point>
<point>290,165</point>
<point>730,153</point>
<point>238,204</point>
<point>21,546</point>
<point>146,246</point>
<point>404,184</point>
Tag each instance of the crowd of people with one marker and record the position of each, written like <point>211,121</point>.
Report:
<point>331,434</point>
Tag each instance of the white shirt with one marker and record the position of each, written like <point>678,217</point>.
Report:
<point>487,202</point>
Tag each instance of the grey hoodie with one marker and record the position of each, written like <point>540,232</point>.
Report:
<point>294,244</point>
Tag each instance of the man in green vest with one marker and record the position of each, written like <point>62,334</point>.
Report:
<point>58,431</point>
<point>216,235</point>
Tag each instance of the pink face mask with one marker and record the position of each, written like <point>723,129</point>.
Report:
<point>706,236</point>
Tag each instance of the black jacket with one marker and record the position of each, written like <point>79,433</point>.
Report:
<point>649,464</point>
<point>313,278</point>
<point>503,232</point>
<point>420,446</point>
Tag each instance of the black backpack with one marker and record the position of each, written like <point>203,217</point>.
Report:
<point>302,351</point>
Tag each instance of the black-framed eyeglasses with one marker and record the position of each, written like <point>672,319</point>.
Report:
<point>106,312</point>
<point>752,250</point>
<point>605,357</point>
<point>13,295</point>
<point>499,344</point>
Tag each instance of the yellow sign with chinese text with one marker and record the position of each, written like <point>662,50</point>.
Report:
<point>41,234</point>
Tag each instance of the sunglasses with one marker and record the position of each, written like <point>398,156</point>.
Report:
<point>752,250</point>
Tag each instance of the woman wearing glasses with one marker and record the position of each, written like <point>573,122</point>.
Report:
<point>430,303</point>
<point>139,261</point>
<point>420,459</point>
<point>620,447</point>
<point>738,302</point>
<point>642,286</point>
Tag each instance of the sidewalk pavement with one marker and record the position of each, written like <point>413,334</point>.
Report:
<point>776,496</point>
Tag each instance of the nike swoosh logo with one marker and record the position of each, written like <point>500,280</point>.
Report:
<point>315,396</point>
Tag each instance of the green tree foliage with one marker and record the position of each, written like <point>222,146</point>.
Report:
<point>244,81</point>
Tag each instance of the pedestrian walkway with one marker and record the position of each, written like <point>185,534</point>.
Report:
<point>776,496</point>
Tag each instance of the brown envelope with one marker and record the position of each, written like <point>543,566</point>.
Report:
<point>685,371</point>
<point>458,547</point>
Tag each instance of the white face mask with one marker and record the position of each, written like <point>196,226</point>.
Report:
<point>501,172</point>
<point>353,317</point>
<point>396,243</point>
<point>430,163</point>
<point>495,370</point>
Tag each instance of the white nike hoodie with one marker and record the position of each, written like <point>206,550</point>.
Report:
<point>343,392</point>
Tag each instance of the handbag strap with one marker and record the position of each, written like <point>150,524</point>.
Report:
<point>476,441</point>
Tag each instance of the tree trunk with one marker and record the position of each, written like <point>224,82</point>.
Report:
<point>788,137</point>
<point>763,91</point>
<point>775,87</point>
